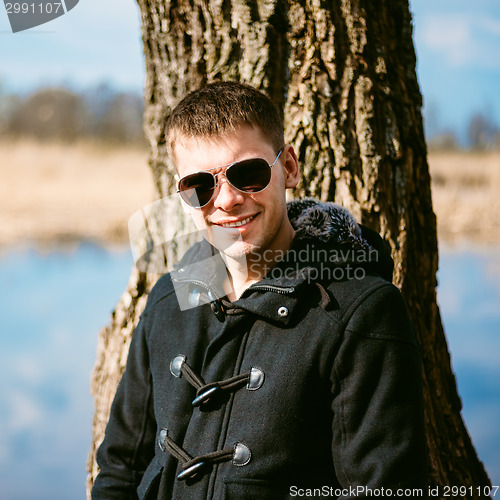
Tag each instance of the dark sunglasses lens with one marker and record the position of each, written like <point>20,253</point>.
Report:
<point>250,176</point>
<point>197,189</point>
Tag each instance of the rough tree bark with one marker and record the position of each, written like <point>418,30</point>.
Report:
<point>344,75</point>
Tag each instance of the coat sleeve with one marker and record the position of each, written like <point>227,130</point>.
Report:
<point>129,441</point>
<point>378,424</point>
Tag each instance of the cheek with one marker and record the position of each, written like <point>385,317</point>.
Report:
<point>198,218</point>
<point>277,190</point>
<point>279,186</point>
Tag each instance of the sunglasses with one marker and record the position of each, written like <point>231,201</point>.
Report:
<point>249,176</point>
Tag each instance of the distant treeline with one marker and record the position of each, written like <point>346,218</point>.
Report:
<point>105,114</point>
<point>481,134</point>
<point>58,113</point>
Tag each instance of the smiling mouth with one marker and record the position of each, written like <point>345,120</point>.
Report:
<point>237,223</point>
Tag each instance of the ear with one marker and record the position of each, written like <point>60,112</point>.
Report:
<point>290,167</point>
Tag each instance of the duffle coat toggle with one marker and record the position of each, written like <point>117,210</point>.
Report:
<point>240,455</point>
<point>216,306</point>
<point>204,392</point>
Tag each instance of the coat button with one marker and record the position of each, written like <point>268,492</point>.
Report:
<point>256,379</point>
<point>241,455</point>
<point>283,311</point>
<point>162,438</point>
<point>176,365</point>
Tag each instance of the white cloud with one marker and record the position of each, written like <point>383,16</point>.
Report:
<point>463,40</point>
<point>24,412</point>
<point>450,36</point>
<point>490,25</point>
<point>27,370</point>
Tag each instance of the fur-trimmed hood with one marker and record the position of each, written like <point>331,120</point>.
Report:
<point>327,225</point>
<point>324,221</point>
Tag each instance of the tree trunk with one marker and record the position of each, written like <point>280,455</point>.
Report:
<point>344,75</point>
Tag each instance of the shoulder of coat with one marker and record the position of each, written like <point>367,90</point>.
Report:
<point>162,289</point>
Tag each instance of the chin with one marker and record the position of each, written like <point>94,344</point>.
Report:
<point>241,250</point>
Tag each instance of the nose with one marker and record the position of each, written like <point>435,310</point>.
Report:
<point>227,196</point>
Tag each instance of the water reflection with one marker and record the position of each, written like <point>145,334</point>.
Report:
<point>52,306</point>
<point>469,297</point>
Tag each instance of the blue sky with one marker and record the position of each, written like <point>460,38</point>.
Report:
<point>457,43</point>
<point>458,54</point>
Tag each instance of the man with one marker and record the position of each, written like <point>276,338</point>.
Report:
<point>298,372</point>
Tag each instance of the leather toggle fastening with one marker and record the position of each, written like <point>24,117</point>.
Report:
<point>176,365</point>
<point>256,379</point>
<point>216,307</point>
<point>162,439</point>
<point>239,455</point>
<point>205,392</point>
<point>242,454</point>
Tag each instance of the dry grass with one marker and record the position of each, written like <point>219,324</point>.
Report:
<point>466,196</point>
<point>51,193</point>
<point>68,192</point>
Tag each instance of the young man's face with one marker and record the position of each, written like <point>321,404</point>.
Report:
<point>261,218</point>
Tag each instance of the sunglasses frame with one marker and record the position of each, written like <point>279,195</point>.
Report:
<point>224,171</point>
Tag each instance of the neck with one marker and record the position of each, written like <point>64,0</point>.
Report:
<point>257,265</point>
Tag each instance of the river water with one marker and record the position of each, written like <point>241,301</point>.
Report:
<point>53,304</point>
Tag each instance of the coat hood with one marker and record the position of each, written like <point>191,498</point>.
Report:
<point>326,222</point>
<point>333,238</point>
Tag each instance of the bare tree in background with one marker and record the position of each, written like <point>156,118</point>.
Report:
<point>48,114</point>
<point>482,132</point>
<point>344,75</point>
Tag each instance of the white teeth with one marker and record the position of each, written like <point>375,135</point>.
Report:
<point>238,223</point>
